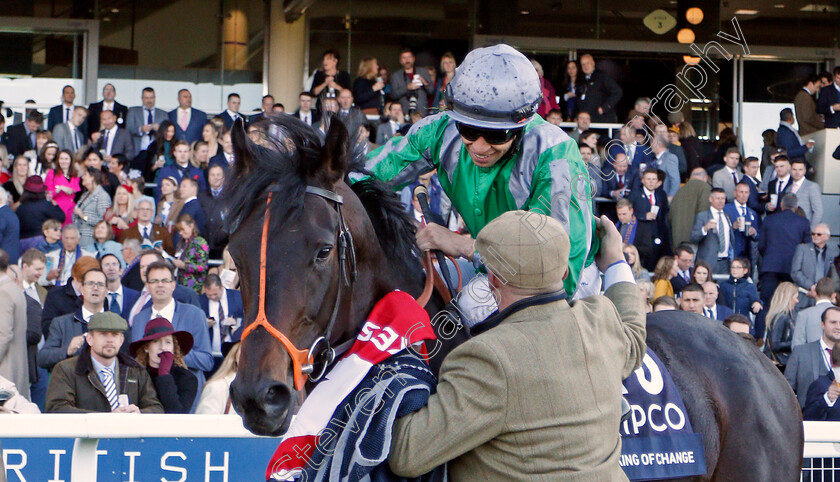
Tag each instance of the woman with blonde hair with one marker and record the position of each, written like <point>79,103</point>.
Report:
<point>121,214</point>
<point>215,397</point>
<point>646,290</point>
<point>631,254</point>
<point>780,322</point>
<point>368,88</point>
<point>666,268</point>
<point>447,71</point>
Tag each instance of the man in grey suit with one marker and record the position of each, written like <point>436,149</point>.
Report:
<point>68,135</point>
<point>730,175</point>
<point>113,139</point>
<point>411,83</point>
<point>713,234</point>
<point>665,161</point>
<point>389,129</point>
<point>143,121</point>
<point>809,361</point>
<point>814,261</point>
<point>808,327</point>
<point>808,193</point>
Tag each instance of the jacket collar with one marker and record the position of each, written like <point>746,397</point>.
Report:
<point>498,317</point>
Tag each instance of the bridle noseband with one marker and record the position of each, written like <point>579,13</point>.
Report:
<point>304,361</point>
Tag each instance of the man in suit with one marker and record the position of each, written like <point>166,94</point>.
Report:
<point>21,137</point>
<point>667,163</point>
<point>651,207</point>
<point>730,175</point>
<point>120,299</point>
<point>622,181</point>
<point>109,93</point>
<point>807,362</point>
<point>224,311</point>
<point>160,278</point>
<point>808,327</point>
<point>744,240</point>
<point>230,114</point>
<point>808,193</point>
<point>62,113</point>
<point>411,83</point>
<point>69,135</point>
<point>305,112</point>
<point>143,121</point>
<point>599,94</point>
<point>113,139</point>
<point>131,250</point>
<point>814,261</point>
<point>829,102</point>
<point>347,112</point>
<point>634,232</point>
<point>181,294</point>
<point>9,229</point>
<point>182,168</point>
<point>66,335</point>
<point>806,109</point>
<point>389,129</point>
<point>582,121</point>
<point>711,309</point>
<point>751,167</point>
<point>188,122</point>
<point>684,256</point>
<point>691,198</point>
<point>789,138</point>
<point>32,266</point>
<point>781,185</point>
<point>211,204</point>
<point>192,206</point>
<point>478,380</point>
<point>779,236</point>
<point>145,230</point>
<point>14,359</point>
<point>267,106</point>
<point>713,234</point>
<point>225,157</point>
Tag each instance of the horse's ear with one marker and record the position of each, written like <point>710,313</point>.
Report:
<point>335,155</point>
<point>241,153</point>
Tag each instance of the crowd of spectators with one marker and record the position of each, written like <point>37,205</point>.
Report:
<point>110,215</point>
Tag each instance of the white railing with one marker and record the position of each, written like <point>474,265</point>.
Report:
<point>822,442</point>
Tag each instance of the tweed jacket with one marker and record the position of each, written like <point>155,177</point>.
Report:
<point>537,397</point>
<point>14,358</point>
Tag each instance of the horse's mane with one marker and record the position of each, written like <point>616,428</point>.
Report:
<point>285,151</point>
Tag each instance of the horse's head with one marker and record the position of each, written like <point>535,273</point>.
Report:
<point>289,210</point>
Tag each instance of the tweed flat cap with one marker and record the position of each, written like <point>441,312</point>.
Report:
<point>107,321</point>
<point>525,250</point>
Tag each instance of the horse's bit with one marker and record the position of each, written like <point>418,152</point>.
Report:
<point>304,361</point>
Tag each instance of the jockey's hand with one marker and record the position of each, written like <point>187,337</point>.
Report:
<point>611,247</point>
<point>435,236</point>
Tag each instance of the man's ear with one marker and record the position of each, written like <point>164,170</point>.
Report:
<point>566,273</point>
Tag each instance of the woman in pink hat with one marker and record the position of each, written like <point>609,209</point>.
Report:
<point>162,351</point>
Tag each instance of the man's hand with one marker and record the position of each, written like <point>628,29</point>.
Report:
<point>833,391</point>
<point>600,110</point>
<point>810,143</point>
<point>611,247</point>
<point>836,107</point>
<point>736,225</point>
<point>127,409</point>
<point>95,137</point>
<point>812,292</point>
<point>752,232</point>
<point>770,207</point>
<point>53,274</point>
<point>211,322</point>
<point>435,236</point>
<point>75,343</point>
<point>712,224</point>
<point>756,307</point>
<point>4,409</point>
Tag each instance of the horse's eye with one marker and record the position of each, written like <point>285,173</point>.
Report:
<point>324,253</point>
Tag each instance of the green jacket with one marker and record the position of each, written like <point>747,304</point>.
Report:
<point>545,175</point>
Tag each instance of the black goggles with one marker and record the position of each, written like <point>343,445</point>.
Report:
<point>493,137</point>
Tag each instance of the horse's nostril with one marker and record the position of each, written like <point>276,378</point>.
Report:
<point>276,394</point>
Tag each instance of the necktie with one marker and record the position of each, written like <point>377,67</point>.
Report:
<point>734,178</point>
<point>110,388</point>
<point>144,298</point>
<point>105,143</point>
<point>780,187</point>
<point>75,139</point>
<point>721,232</point>
<point>744,211</point>
<point>66,114</point>
<point>794,188</point>
<point>184,123</point>
<point>146,233</point>
<point>621,182</point>
<point>149,116</point>
<point>113,304</point>
<point>650,198</point>
<point>224,330</point>
<point>686,277</point>
<point>707,312</point>
<point>306,119</point>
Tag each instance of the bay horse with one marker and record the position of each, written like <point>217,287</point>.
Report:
<point>745,411</point>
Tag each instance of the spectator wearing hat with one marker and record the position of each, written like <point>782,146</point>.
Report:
<point>33,210</point>
<point>535,330</point>
<point>162,351</point>
<point>215,397</point>
<point>102,378</point>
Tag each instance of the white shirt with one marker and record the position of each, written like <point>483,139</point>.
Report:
<point>712,311</point>
<point>228,158</point>
<point>31,290</point>
<point>784,182</point>
<point>167,311</point>
<point>181,113</point>
<point>306,117</point>
<point>213,309</point>
<point>87,314</point>
<point>648,194</point>
<point>233,115</point>
<point>107,105</point>
<point>724,250</point>
<point>112,133</point>
<point>395,126</point>
<point>138,305</point>
<point>142,227</point>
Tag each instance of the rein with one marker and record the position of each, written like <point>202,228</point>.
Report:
<point>322,352</point>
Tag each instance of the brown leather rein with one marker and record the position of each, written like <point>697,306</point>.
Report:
<point>304,361</point>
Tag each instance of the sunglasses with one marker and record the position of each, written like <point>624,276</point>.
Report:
<point>493,137</point>
<point>818,234</point>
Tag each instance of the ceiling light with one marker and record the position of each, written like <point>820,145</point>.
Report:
<point>115,10</point>
<point>691,60</point>
<point>524,12</point>
<point>779,5</point>
<point>694,15</point>
<point>744,11</point>
<point>685,36</point>
<point>813,7</point>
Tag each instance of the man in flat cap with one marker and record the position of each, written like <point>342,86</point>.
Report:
<point>101,378</point>
<point>536,392</point>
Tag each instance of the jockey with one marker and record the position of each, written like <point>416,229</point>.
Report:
<point>494,154</point>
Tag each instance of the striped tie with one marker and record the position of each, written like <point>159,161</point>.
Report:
<point>110,389</point>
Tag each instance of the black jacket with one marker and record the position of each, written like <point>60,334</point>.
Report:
<point>32,215</point>
<point>61,300</point>
<point>17,142</point>
<point>176,390</point>
<point>599,91</point>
